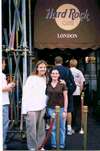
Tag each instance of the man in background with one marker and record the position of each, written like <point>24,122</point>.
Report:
<point>79,81</point>
<point>66,75</point>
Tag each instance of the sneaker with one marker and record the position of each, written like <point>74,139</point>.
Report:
<point>42,148</point>
<point>81,131</point>
<point>70,132</point>
<point>54,148</point>
<point>47,126</point>
<point>4,146</point>
<point>62,147</point>
<point>32,149</point>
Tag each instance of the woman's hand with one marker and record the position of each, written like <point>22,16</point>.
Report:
<point>64,115</point>
<point>11,86</point>
<point>62,81</point>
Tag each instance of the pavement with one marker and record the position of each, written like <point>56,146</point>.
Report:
<point>17,141</point>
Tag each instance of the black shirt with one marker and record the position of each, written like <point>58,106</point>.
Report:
<point>55,95</point>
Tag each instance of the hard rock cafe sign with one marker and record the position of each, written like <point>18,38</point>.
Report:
<point>67,16</point>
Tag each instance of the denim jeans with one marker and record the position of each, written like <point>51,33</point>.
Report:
<point>62,129</point>
<point>5,121</point>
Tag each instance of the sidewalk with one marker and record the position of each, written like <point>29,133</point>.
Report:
<point>73,142</point>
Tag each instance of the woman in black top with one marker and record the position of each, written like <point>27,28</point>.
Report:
<point>57,96</point>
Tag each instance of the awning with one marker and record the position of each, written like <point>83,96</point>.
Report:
<point>67,24</point>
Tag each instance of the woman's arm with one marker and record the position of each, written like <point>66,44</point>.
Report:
<point>65,104</point>
<point>65,94</point>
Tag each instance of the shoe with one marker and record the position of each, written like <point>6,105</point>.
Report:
<point>70,132</point>
<point>4,146</point>
<point>54,148</point>
<point>61,148</point>
<point>47,126</point>
<point>42,148</point>
<point>81,131</point>
<point>33,149</point>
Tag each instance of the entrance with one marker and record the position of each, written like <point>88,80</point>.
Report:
<point>88,69</point>
<point>49,54</point>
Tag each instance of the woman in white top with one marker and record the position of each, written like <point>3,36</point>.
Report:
<point>34,104</point>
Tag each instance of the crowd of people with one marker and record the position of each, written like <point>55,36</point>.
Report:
<point>43,91</point>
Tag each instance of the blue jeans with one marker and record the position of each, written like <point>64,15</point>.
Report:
<point>5,121</point>
<point>62,129</point>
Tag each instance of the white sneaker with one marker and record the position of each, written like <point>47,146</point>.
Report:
<point>42,148</point>
<point>70,132</point>
<point>47,126</point>
<point>81,131</point>
<point>33,149</point>
<point>4,146</point>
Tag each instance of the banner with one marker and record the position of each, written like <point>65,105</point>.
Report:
<point>67,24</point>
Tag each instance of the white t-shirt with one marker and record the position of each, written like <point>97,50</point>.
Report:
<point>5,95</point>
<point>78,78</point>
<point>34,97</point>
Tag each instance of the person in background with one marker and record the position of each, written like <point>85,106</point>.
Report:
<point>57,96</point>
<point>34,102</point>
<point>79,80</point>
<point>6,88</point>
<point>66,75</point>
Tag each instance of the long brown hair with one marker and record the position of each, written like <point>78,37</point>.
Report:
<point>35,72</point>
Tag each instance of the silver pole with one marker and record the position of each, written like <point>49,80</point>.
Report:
<point>24,21</point>
<point>30,30</point>
<point>30,36</point>
<point>25,50</point>
<point>24,66</point>
<point>9,17</point>
<point>24,41</point>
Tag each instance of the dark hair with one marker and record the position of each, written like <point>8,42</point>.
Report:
<point>54,68</point>
<point>58,60</point>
